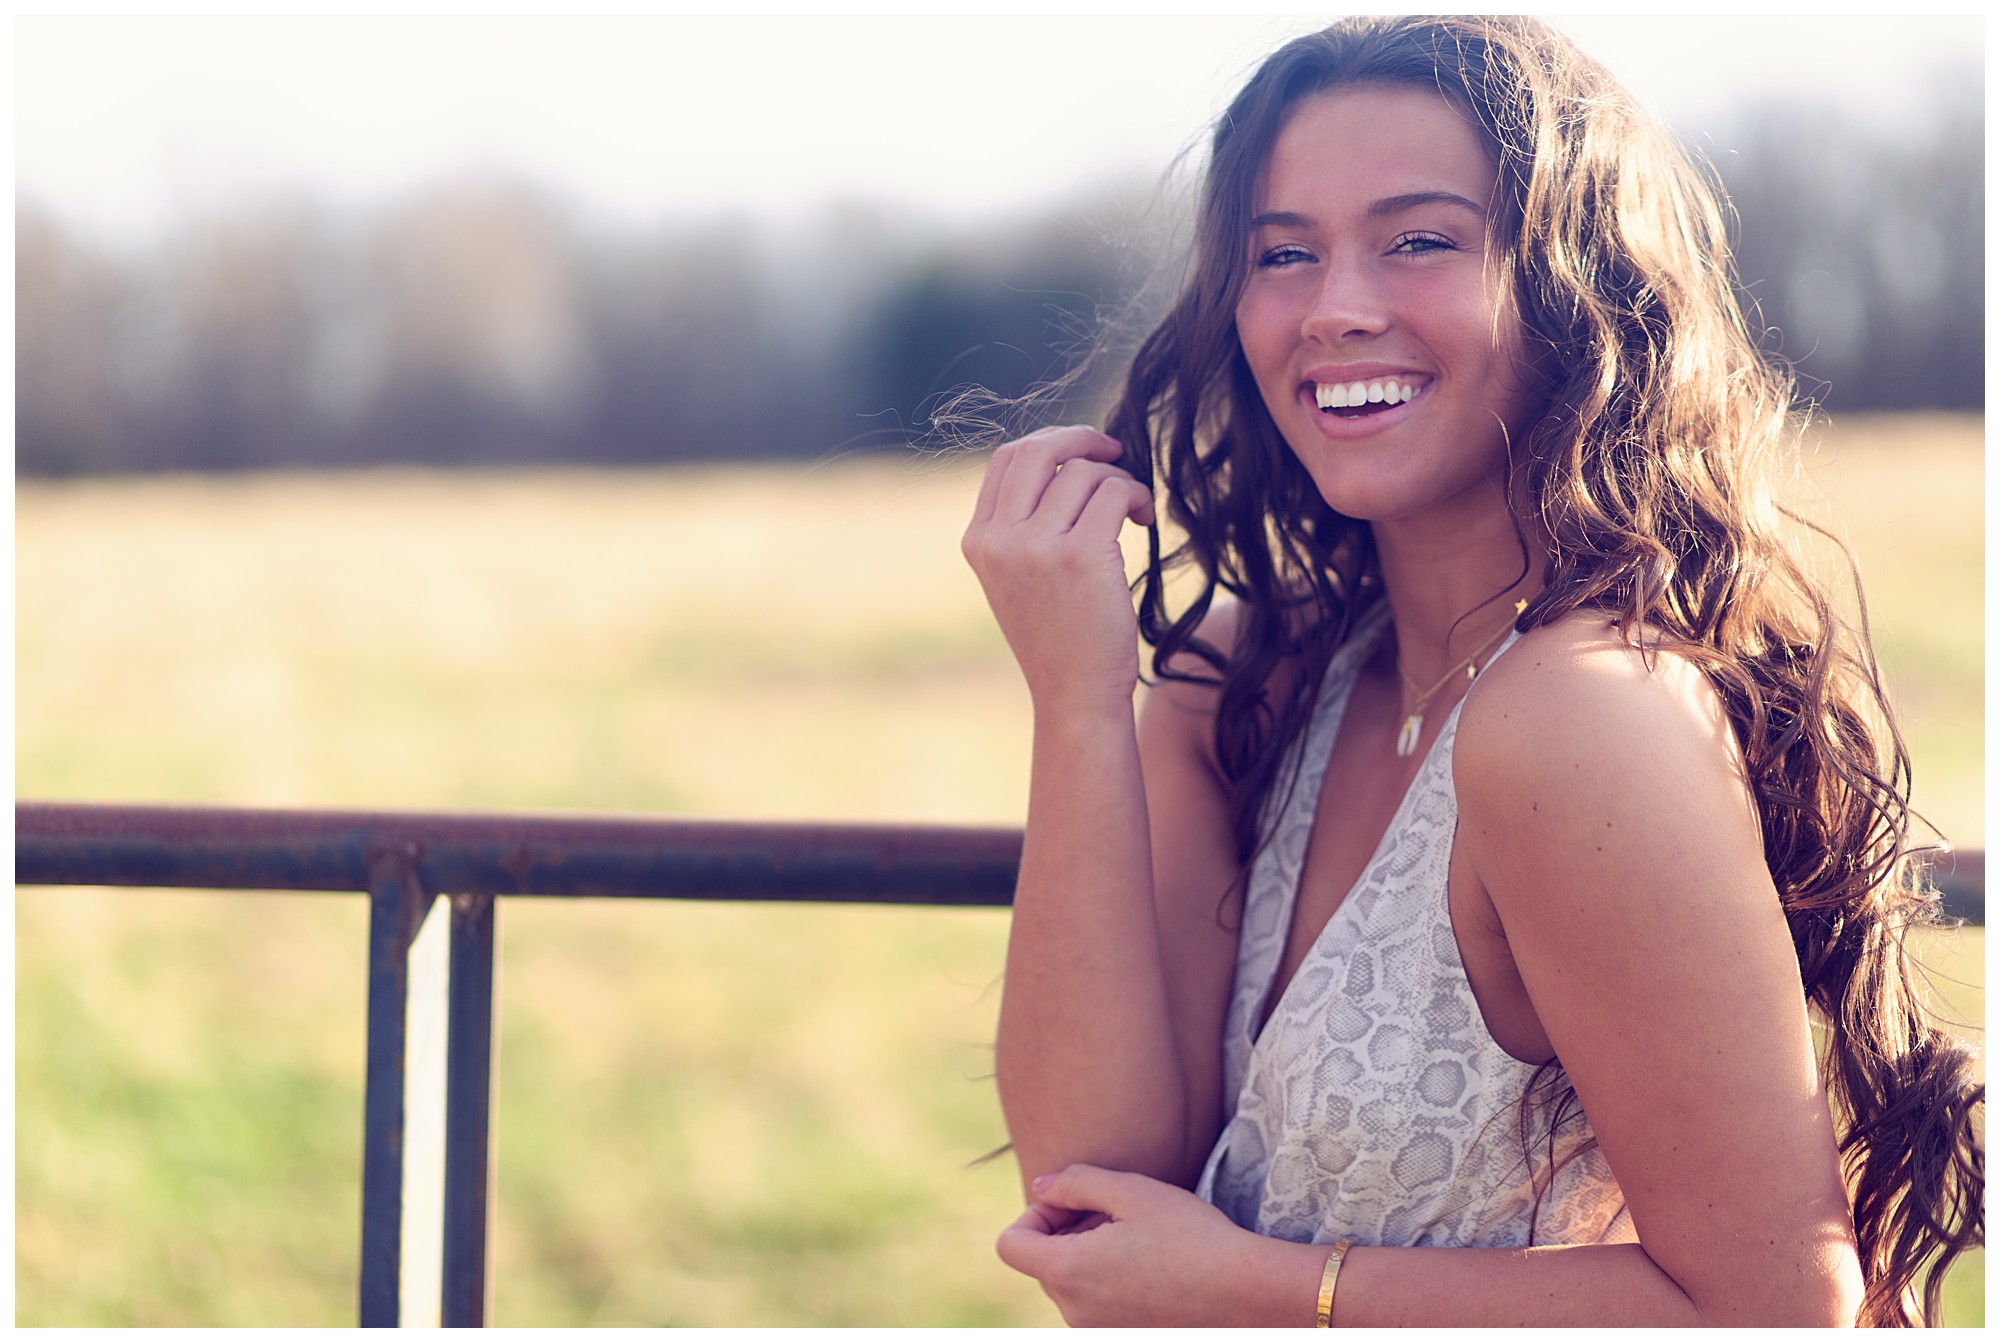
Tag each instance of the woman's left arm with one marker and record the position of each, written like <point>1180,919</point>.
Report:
<point>1602,808</point>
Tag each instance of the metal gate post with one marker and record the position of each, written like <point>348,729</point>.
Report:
<point>397,903</point>
<point>425,1167</point>
<point>467,1110</point>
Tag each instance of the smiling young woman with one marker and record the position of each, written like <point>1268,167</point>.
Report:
<point>1443,943</point>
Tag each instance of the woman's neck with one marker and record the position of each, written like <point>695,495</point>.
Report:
<point>1451,591</point>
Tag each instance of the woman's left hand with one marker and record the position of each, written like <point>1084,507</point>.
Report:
<point>1114,1248</point>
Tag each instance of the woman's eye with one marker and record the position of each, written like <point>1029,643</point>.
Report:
<point>1286,255</point>
<point>1415,244</point>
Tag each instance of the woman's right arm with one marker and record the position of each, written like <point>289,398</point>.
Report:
<point>1110,1018</point>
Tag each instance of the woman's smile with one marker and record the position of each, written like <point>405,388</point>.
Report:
<point>1356,402</point>
<point>1361,397</point>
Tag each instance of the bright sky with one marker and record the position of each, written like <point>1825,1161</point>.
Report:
<point>126,122</point>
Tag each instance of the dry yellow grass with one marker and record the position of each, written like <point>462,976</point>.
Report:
<point>666,640</point>
<point>1907,493</point>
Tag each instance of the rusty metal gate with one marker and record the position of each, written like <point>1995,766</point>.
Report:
<point>433,882</point>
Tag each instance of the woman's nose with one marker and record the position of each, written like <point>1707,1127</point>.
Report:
<point>1348,303</point>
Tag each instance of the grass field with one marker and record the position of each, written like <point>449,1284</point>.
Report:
<point>705,1115</point>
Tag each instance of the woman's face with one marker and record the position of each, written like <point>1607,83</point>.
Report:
<point>1373,316</point>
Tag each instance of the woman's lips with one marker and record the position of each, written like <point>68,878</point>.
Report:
<point>1383,414</point>
<point>1392,390</point>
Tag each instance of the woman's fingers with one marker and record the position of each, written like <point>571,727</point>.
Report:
<point>1112,500</point>
<point>1024,1249</point>
<point>1076,1199</point>
<point>1077,488</point>
<point>1028,466</point>
<point>1074,490</point>
<point>1044,545</point>
<point>1048,1219</point>
<point>1085,1188</point>
<point>1024,1245</point>
<point>1038,1236</point>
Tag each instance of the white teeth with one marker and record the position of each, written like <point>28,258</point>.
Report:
<point>1333,395</point>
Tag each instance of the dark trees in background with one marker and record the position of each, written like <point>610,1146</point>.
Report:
<point>476,324</point>
<point>1864,247</point>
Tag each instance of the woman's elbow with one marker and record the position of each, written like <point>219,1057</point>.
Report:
<point>1805,1296</point>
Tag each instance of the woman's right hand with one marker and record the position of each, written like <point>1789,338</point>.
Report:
<point>1044,543</point>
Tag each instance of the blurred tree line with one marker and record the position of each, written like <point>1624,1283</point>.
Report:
<point>478,324</point>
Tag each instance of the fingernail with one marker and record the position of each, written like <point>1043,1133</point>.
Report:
<point>1040,1184</point>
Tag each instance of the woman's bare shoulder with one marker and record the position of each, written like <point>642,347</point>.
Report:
<point>1576,731</point>
<point>1581,680</point>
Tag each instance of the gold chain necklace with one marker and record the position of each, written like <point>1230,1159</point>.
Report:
<point>1413,726</point>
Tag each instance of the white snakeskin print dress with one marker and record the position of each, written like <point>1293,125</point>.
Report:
<point>1374,1105</point>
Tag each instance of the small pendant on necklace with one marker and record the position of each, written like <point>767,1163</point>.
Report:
<point>1406,740</point>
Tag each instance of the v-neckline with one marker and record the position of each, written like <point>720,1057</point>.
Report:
<point>1306,791</point>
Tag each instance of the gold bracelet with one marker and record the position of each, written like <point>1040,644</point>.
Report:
<point>1327,1278</point>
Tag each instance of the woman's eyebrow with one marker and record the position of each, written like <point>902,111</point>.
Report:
<point>1388,205</point>
<point>1281,219</point>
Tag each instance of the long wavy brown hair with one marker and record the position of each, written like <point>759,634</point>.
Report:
<point>1652,473</point>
